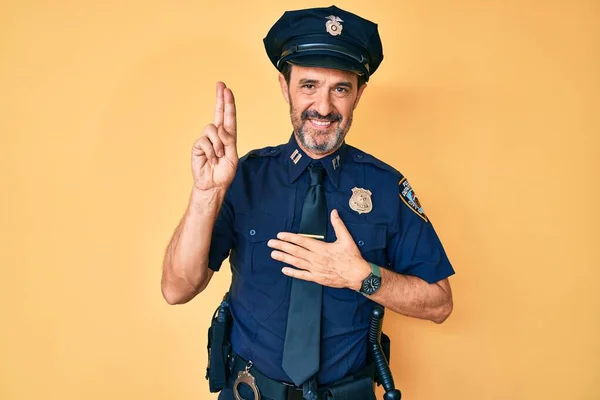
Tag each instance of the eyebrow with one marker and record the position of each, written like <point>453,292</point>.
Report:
<point>345,84</point>
<point>305,81</point>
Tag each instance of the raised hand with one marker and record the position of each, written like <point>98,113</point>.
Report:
<point>214,154</point>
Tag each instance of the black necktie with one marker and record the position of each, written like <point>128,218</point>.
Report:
<point>303,334</point>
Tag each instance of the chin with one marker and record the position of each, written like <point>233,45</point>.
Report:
<point>320,142</point>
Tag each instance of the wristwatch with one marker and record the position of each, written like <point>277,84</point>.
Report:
<point>371,284</point>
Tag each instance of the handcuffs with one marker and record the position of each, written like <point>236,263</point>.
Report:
<point>246,377</point>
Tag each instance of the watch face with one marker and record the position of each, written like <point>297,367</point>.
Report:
<point>371,284</point>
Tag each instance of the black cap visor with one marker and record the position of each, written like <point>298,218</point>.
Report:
<point>326,55</point>
<point>326,61</point>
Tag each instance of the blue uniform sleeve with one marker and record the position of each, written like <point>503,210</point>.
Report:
<point>222,237</point>
<point>415,249</point>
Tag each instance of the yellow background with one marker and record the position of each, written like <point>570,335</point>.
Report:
<point>489,107</point>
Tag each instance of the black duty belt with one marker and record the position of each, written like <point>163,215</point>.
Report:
<point>277,390</point>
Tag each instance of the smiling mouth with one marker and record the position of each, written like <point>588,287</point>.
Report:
<point>320,124</point>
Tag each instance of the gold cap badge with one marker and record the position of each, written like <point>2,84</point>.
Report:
<point>333,25</point>
<point>361,201</point>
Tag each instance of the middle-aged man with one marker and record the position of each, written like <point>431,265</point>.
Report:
<point>317,231</point>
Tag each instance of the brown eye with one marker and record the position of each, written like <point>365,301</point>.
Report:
<point>308,88</point>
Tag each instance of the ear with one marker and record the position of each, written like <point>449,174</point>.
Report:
<point>360,92</point>
<point>284,88</point>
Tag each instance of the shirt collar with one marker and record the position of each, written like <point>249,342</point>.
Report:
<point>298,161</point>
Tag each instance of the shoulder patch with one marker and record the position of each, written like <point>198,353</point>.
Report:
<point>409,197</point>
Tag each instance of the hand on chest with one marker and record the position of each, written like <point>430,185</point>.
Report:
<point>265,213</point>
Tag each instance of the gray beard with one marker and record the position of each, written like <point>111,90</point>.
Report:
<point>306,141</point>
<point>305,138</point>
<point>324,147</point>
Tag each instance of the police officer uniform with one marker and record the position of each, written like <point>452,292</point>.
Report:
<point>374,200</point>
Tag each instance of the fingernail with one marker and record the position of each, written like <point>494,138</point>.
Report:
<point>214,161</point>
<point>220,153</point>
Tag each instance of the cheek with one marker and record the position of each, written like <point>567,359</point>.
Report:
<point>299,100</point>
<point>345,111</point>
<point>344,105</point>
<point>298,109</point>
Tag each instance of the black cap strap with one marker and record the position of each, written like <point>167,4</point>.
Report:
<point>309,47</point>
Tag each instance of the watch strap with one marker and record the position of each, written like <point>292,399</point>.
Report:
<point>375,270</point>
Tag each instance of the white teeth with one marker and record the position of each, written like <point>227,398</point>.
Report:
<point>320,123</point>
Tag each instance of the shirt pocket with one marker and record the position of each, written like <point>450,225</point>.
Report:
<point>342,305</point>
<point>261,280</point>
<point>371,241</point>
<point>255,231</point>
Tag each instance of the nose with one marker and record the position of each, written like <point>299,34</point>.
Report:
<point>323,102</point>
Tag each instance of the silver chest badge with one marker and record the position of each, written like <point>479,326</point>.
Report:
<point>361,201</point>
<point>333,25</point>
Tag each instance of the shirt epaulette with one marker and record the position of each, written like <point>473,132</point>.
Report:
<point>362,157</point>
<point>270,151</point>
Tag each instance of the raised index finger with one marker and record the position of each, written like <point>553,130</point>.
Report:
<point>218,118</point>
<point>230,121</point>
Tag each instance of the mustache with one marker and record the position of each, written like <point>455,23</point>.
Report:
<point>333,117</point>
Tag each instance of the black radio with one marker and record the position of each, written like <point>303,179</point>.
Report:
<point>219,347</point>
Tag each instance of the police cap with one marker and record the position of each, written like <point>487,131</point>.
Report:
<point>325,37</point>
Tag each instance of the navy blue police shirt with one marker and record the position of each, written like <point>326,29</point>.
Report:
<point>265,198</point>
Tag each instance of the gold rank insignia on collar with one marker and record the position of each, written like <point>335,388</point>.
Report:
<point>336,162</point>
<point>296,156</point>
<point>361,201</point>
